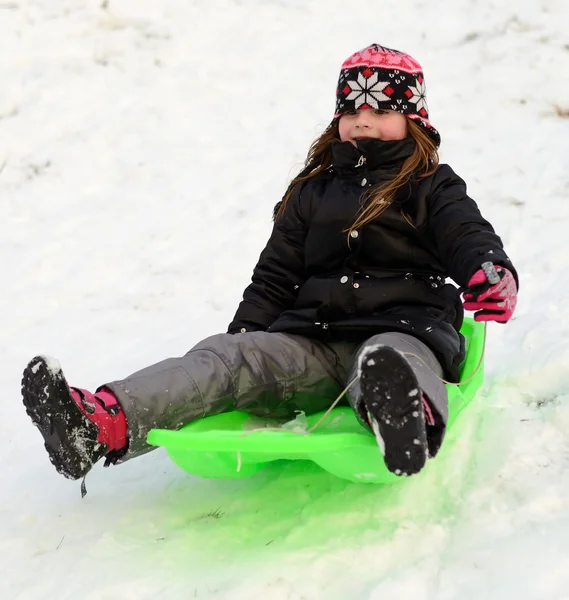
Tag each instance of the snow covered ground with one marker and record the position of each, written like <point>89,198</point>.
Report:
<point>143,144</point>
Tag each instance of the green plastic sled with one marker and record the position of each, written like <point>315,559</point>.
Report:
<point>225,445</point>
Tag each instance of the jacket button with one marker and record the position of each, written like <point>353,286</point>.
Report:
<point>356,285</point>
<point>344,279</point>
<point>364,181</point>
<point>354,233</point>
<point>243,330</point>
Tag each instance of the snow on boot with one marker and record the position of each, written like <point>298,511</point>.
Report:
<point>393,401</point>
<point>79,428</point>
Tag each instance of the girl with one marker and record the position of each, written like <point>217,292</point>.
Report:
<point>351,285</point>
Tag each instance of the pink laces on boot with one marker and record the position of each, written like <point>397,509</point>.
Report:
<point>104,410</point>
<point>429,418</point>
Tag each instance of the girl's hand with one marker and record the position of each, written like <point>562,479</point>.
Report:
<point>493,301</point>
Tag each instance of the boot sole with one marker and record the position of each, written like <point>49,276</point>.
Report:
<point>393,401</point>
<point>70,438</point>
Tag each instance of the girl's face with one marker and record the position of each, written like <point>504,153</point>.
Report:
<point>386,125</point>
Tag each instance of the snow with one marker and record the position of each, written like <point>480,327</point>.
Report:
<point>143,146</point>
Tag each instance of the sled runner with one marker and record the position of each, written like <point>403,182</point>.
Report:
<point>229,445</point>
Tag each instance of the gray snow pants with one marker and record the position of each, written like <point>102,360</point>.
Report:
<point>266,374</point>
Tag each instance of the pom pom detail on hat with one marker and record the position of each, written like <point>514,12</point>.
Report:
<point>382,78</point>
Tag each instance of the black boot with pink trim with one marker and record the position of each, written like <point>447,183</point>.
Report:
<point>395,409</point>
<point>79,428</point>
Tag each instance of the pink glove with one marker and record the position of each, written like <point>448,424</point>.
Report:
<point>493,301</point>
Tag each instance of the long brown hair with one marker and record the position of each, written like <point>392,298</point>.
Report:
<point>422,163</point>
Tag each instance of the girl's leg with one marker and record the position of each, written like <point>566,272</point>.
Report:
<point>267,374</point>
<point>401,397</point>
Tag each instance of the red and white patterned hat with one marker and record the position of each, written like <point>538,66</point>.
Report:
<point>382,78</point>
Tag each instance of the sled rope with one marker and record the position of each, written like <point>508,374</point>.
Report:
<point>451,382</point>
<point>322,418</point>
<point>346,389</point>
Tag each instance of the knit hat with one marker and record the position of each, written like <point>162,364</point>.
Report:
<point>382,78</point>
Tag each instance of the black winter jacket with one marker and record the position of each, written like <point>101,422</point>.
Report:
<point>391,276</point>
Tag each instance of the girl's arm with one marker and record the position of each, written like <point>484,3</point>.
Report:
<point>277,275</point>
<point>463,237</point>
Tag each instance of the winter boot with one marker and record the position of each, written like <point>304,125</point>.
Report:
<point>393,404</point>
<point>78,427</point>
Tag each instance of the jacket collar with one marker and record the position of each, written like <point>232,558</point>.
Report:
<point>374,154</point>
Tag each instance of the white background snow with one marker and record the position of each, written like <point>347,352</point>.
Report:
<point>143,144</point>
